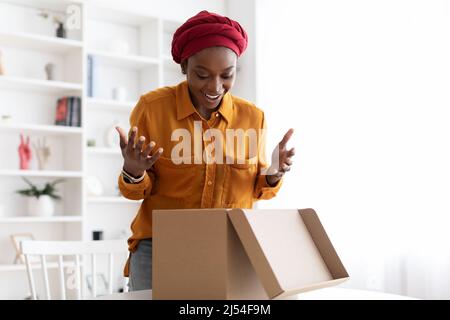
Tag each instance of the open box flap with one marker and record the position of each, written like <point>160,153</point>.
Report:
<point>289,249</point>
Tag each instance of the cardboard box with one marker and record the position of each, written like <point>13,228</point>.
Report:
<point>241,254</point>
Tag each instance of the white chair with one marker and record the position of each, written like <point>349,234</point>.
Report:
<point>80,250</point>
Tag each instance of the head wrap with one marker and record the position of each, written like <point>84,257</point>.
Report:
<point>206,30</point>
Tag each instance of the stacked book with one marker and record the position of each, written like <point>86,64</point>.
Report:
<point>68,112</point>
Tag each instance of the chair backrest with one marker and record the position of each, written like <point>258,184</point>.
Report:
<point>78,249</point>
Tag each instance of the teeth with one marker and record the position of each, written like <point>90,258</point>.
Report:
<point>212,97</point>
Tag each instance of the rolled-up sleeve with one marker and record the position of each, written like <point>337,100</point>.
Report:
<point>136,191</point>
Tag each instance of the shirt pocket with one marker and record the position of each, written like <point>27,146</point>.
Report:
<point>176,180</point>
<point>240,183</point>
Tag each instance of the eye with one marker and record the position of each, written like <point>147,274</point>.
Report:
<point>203,77</point>
<point>227,76</point>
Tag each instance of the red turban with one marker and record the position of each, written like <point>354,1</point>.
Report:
<point>206,30</point>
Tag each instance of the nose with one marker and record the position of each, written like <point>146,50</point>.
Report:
<point>215,86</point>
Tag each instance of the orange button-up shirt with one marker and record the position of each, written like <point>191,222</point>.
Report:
<point>209,184</point>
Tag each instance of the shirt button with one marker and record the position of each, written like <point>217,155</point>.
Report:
<point>217,115</point>
<point>209,182</point>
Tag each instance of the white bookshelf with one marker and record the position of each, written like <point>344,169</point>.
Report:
<point>124,60</point>
<point>26,219</point>
<point>40,129</point>
<point>38,85</point>
<point>42,173</point>
<point>38,42</point>
<point>27,43</point>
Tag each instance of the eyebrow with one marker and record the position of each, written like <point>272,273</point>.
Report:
<point>202,67</point>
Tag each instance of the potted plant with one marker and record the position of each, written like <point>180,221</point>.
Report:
<point>41,201</point>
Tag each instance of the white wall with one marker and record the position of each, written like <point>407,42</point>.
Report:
<point>246,81</point>
<point>366,85</point>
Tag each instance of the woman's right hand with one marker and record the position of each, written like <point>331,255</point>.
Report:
<point>136,159</point>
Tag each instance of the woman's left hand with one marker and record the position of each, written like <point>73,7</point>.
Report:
<point>281,160</point>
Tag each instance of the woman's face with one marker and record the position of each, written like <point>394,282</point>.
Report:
<point>210,74</point>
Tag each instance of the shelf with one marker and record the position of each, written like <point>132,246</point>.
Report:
<point>47,129</point>
<point>44,173</point>
<point>38,85</point>
<point>21,267</point>
<point>38,42</point>
<point>103,151</point>
<point>113,199</point>
<point>118,16</point>
<point>27,219</point>
<point>56,5</point>
<point>96,103</point>
<point>123,61</point>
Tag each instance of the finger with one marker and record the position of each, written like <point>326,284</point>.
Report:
<point>155,157</point>
<point>123,137</point>
<point>286,137</point>
<point>288,161</point>
<point>148,149</point>
<point>132,139</point>
<point>291,152</point>
<point>279,174</point>
<point>285,168</point>
<point>139,144</point>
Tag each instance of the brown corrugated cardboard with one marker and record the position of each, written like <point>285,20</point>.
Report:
<point>241,254</point>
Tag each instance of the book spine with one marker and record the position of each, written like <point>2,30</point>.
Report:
<point>79,112</point>
<point>69,111</point>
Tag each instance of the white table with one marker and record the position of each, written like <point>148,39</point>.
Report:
<point>321,294</point>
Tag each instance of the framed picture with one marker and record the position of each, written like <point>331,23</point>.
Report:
<point>16,240</point>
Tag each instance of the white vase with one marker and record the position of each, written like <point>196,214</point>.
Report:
<point>41,207</point>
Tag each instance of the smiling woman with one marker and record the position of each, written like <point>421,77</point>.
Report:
<point>207,47</point>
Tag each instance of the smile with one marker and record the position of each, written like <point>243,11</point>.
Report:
<point>211,97</point>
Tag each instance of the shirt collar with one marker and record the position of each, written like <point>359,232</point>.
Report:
<point>185,107</point>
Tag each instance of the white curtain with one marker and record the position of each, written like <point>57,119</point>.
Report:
<point>366,86</point>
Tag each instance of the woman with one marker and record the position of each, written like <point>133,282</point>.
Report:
<point>164,172</point>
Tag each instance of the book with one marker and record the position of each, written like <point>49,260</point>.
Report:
<point>61,112</point>
<point>68,111</point>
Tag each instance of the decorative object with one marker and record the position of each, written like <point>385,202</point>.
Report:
<point>6,118</point>
<point>16,239</point>
<point>58,19</point>
<point>119,93</point>
<point>40,201</point>
<point>50,71</point>
<point>97,235</point>
<point>42,153</point>
<point>24,153</point>
<point>112,139</point>
<point>93,186</point>
<point>2,68</point>
<point>119,46</point>
<point>60,31</point>
<point>91,143</point>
